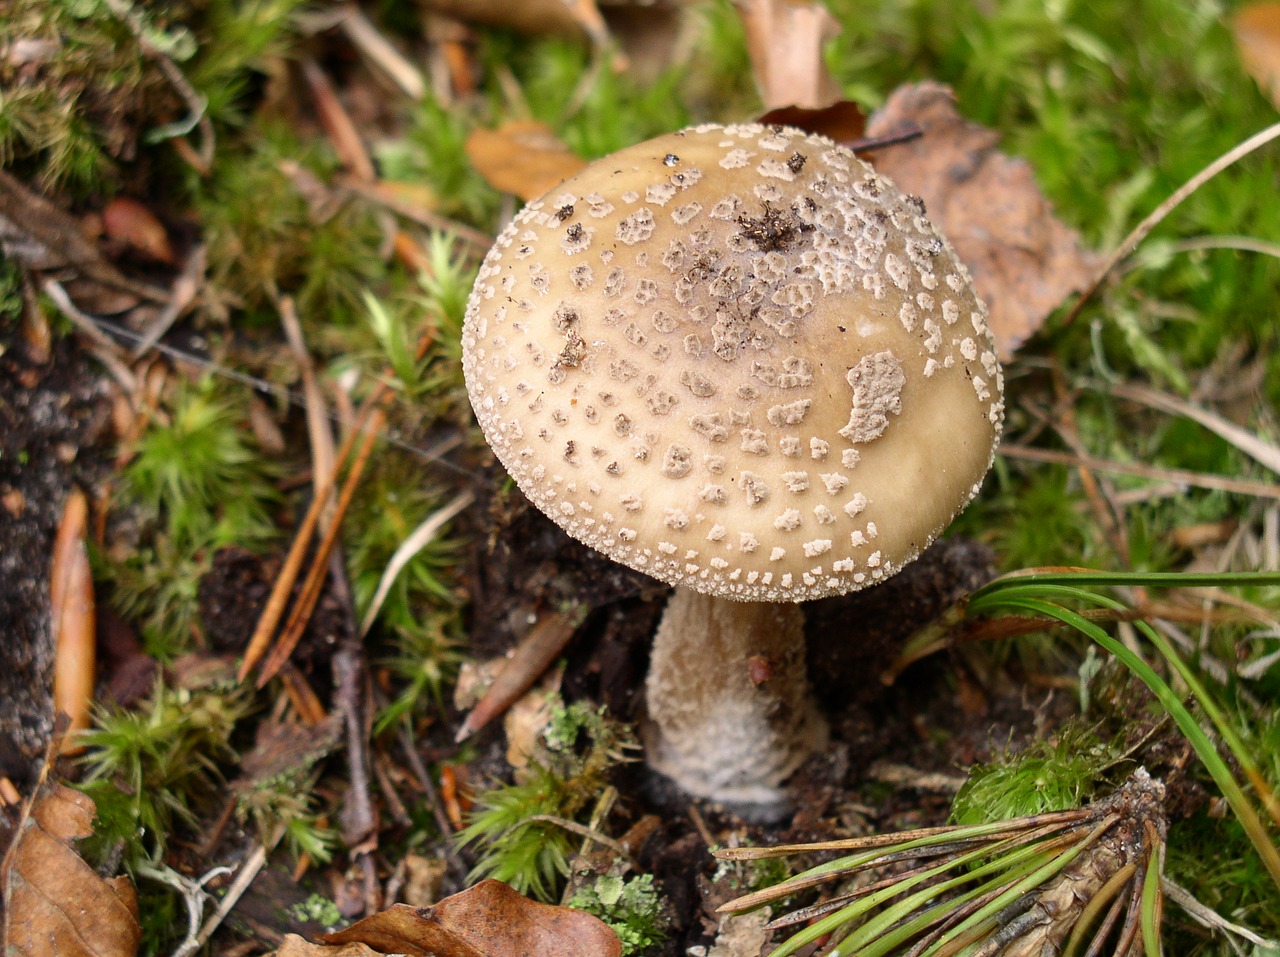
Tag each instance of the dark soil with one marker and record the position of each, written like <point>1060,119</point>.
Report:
<point>52,427</point>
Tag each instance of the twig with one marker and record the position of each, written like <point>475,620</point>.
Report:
<point>1182,476</point>
<point>583,831</point>
<point>107,351</point>
<point>244,877</point>
<point>193,892</point>
<point>365,37</point>
<point>1157,215</point>
<point>419,769</point>
<point>337,123</point>
<point>313,584</point>
<point>477,241</point>
<point>181,294</point>
<point>1264,453</point>
<point>1207,917</point>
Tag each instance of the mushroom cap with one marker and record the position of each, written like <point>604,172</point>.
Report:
<point>737,359</point>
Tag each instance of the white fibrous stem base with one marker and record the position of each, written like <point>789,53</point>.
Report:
<point>730,711</point>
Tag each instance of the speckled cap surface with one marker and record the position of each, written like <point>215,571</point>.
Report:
<point>736,359</point>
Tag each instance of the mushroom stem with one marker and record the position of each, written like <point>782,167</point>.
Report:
<point>730,713</point>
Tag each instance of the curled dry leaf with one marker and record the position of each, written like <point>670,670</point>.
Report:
<point>56,905</point>
<point>1257,31</point>
<point>523,157</point>
<point>73,618</point>
<point>1023,259</point>
<point>785,40</point>
<point>487,920</point>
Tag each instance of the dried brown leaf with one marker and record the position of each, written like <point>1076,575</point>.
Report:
<point>843,121</point>
<point>1023,259</point>
<point>73,618</point>
<point>487,920</point>
<point>133,223</point>
<point>295,946</point>
<point>785,40</point>
<point>1257,31</point>
<point>523,157</point>
<point>56,905</point>
<point>572,18</point>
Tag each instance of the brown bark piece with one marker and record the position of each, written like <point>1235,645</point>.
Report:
<point>1024,260</point>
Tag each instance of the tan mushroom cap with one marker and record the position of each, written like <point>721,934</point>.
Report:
<point>737,359</point>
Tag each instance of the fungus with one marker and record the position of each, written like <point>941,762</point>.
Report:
<point>739,360</point>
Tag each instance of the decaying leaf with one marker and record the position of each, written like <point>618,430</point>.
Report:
<point>523,157</point>
<point>73,618</point>
<point>1023,259</point>
<point>487,920</point>
<point>785,39</point>
<point>56,905</point>
<point>1257,31</point>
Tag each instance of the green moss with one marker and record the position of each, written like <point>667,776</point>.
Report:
<point>582,744</point>
<point>632,907</point>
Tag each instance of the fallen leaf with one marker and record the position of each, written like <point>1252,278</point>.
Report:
<point>785,40</point>
<point>56,905</point>
<point>487,920</point>
<point>1257,31</point>
<point>295,946</point>
<point>843,121</point>
<point>558,17</point>
<point>523,157</point>
<point>73,620</point>
<point>1023,259</point>
<point>133,223</point>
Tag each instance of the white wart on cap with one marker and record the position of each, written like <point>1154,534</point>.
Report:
<point>737,359</point>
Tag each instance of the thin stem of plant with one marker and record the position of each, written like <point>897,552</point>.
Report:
<point>1157,215</point>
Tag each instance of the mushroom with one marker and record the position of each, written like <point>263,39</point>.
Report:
<point>739,360</point>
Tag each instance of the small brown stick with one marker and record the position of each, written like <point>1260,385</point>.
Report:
<point>313,584</point>
<point>539,648</point>
<point>365,37</point>
<point>303,698</point>
<point>477,242</point>
<point>1157,215</point>
<point>1264,453</point>
<point>428,786</point>
<point>337,123</point>
<point>244,877</point>
<point>181,294</point>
